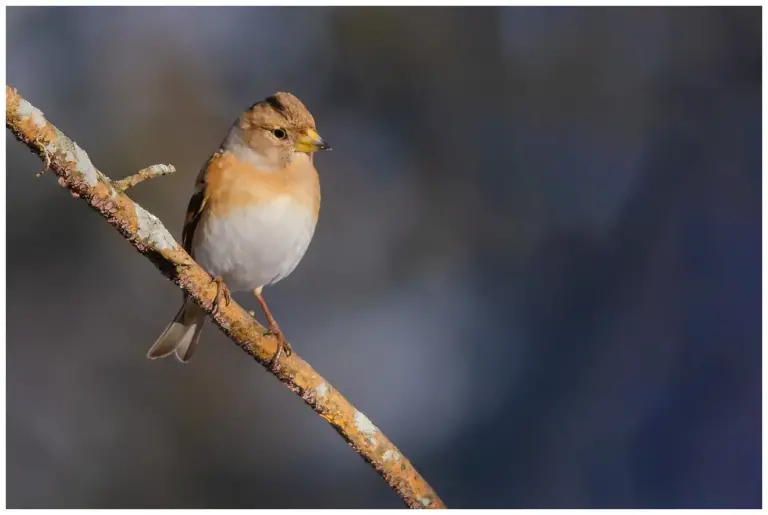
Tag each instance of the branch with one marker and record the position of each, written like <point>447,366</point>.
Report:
<point>145,232</point>
<point>142,175</point>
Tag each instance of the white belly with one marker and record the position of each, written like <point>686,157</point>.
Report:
<point>254,247</point>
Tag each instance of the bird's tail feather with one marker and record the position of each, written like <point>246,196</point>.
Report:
<point>181,335</point>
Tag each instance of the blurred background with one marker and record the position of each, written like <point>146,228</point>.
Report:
<point>537,267</point>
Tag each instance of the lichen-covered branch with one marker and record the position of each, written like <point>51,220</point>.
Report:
<point>142,175</point>
<point>145,232</point>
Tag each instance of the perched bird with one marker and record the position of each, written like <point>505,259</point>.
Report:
<point>253,213</point>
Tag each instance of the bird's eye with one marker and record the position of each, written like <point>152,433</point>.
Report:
<point>279,133</point>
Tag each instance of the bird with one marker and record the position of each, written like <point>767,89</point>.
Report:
<point>252,215</point>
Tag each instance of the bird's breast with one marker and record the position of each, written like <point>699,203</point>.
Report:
<point>232,184</point>
<point>257,224</point>
<point>255,245</point>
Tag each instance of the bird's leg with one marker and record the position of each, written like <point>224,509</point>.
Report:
<point>222,293</point>
<point>274,329</point>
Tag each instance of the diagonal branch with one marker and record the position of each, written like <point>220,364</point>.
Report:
<point>145,232</point>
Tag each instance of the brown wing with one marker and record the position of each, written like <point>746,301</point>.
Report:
<point>194,213</point>
<point>195,209</point>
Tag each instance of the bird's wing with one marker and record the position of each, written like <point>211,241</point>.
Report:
<point>196,208</point>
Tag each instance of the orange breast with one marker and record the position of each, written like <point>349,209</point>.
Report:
<point>233,184</point>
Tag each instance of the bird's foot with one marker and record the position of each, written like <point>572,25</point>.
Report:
<point>222,294</point>
<point>283,347</point>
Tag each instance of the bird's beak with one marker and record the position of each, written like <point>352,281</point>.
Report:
<point>310,141</point>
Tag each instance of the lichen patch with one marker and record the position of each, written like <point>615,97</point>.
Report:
<point>150,229</point>
<point>85,167</point>
<point>364,425</point>
<point>321,390</point>
<point>390,455</point>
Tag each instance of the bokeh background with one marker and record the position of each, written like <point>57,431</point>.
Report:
<point>537,267</point>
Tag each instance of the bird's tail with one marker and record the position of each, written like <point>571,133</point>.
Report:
<point>181,335</point>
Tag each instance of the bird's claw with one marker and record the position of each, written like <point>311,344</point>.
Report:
<point>222,294</point>
<point>283,347</point>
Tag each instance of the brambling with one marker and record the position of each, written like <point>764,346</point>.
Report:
<point>252,215</point>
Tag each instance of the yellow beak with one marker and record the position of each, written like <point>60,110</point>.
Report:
<point>310,142</point>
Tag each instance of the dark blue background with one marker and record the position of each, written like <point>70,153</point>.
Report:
<point>537,267</point>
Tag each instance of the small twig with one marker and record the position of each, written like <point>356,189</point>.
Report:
<point>146,233</point>
<point>142,175</point>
